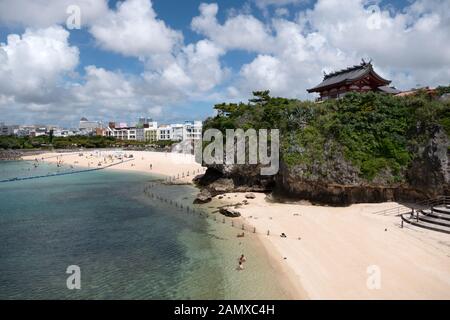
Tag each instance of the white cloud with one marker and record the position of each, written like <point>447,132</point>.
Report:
<point>45,13</point>
<point>265,72</point>
<point>410,47</point>
<point>203,65</point>
<point>104,85</point>
<point>134,30</point>
<point>32,65</point>
<point>192,71</point>
<point>278,3</point>
<point>238,32</point>
<point>281,12</point>
<point>416,42</point>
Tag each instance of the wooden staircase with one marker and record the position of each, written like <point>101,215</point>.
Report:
<point>436,215</point>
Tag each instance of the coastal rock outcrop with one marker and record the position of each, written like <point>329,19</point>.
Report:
<point>203,197</point>
<point>431,167</point>
<point>220,179</point>
<point>365,147</point>
<point>10,155</point>
<point>229,212</point>
<point>336,181</point>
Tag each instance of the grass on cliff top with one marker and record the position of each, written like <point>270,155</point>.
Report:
<point>373,131</point>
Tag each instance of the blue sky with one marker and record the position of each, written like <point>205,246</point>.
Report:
<point>173,60</point>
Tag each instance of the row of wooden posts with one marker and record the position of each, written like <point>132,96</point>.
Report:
<point>188,208</point>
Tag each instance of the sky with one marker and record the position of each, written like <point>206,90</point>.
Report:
<point>173,60</point>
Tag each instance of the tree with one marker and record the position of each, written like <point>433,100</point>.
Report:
<point>50,136</point>
<point>261,97</point>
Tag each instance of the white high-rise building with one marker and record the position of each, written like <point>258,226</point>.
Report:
<point>89,126</point>
<point>164,132</point>
<point>192,130</point>
<point>5,130</point>
<point>177,132</point>
<point>151,132</point>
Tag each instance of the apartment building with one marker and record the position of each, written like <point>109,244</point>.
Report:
<point>192,130</point>
<point>164,132</point>
<point>151,134</point>
<point>177,132</point>
<point>5,130</point>
<point>149,131</point>
<point>89,127</point>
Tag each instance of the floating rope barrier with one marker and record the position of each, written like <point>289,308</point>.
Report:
<point>63,173</point>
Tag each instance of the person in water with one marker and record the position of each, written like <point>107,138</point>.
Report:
<point>242,259</point>
<point>241,266</point>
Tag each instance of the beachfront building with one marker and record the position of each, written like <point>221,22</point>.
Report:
<point>121,133</point>
<point>192,130</point>
<point>149,131</point>
<point>359,78</point>
<point>39,131</point>
<point>144,122</point>
<point>151,135</point>
<point>6,130</point>
<point>164,132</point>
<point>88,127</point>
<point>65,133</point>
<point>177,131</point>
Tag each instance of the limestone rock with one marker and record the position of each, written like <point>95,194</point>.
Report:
<point>203,197</point>
<point>229,212</point>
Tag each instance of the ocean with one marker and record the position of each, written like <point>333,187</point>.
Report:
<point>126,244</point>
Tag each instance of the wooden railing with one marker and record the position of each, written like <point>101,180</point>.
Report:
<point>425,204</point>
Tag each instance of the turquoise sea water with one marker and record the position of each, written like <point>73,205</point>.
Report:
<point>127,245</point>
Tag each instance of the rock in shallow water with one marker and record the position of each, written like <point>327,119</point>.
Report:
<point>230,212</point>
<point>203,197</point>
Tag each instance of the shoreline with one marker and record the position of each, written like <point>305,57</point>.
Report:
<point>332,251</point>
<point>329,250</point>
<point>163,165</point>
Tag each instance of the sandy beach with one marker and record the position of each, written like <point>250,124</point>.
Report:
<point>333,252</point>
<point>166,164</point>
<point>328,252</point>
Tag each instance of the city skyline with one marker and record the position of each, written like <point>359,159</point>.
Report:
<point>104,122</point>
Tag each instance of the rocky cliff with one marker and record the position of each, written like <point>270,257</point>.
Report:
<point>408,165</point>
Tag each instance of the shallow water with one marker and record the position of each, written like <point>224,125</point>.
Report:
<point>127,245</point>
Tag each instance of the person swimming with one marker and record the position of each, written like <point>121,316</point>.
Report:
<point>242,258</point>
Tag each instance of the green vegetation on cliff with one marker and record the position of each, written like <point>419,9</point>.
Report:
<point>374,132</point>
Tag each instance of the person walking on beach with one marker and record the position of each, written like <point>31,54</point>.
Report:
<point>242,259</point>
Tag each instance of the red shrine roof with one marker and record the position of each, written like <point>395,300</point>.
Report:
<point>349,75</point>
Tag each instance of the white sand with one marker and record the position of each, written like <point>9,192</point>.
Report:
<point>167,164</point>
<point>338,245</point>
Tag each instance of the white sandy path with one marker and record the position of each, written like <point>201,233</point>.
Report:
<point>168,164</point>
<point>338,245</point>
